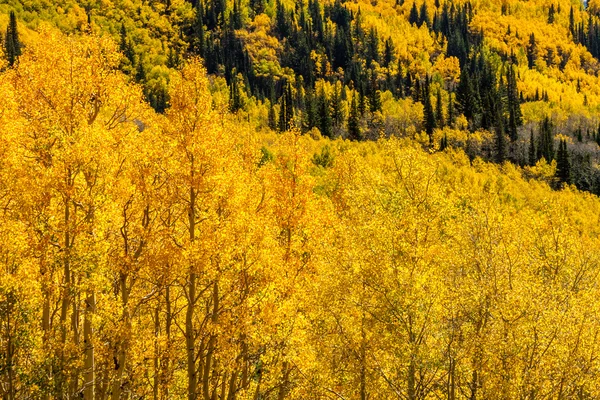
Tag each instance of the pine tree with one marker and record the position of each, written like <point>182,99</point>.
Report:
<point>324,114</point>
<point>336,106</point>
<point>428,114</point>
<point>362,104</point>
<point>444,142</point>
<point>272,116</point>
<point>353,120</point>
<point>572,23</point>
<point>235,102</point>
<point>236,15</point>
<point>413,17</point>
<point>515,115</point>
<point>199,31</point>
<point>551,13</point>
<point>424,16</point>
<point>12,43</point>
<point>372,47</point>
<point>532,51</point>
<point>451,116</point>
<point>389,53</point>
<point>374,93</point>
<point>546,140</point>
<point>286,109</point>
<point>439,112</point>
<point>466,96</point>
<point>563,166</point>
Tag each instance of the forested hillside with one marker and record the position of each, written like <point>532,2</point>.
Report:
<point>288,200</point>
<point>503,80</point>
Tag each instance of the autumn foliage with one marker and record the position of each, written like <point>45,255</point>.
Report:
<point>185,255</point>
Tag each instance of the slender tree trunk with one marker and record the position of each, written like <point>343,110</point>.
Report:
<point>211,344</point>
<point>89,363</point>
<point>61,385</point>
<point>191,299</point>
<point>123,345</point>
<point>283,387</point>
<point>157,372</point>
<point>190,339</point>
<point>10,353</point>
<point>166,364</point>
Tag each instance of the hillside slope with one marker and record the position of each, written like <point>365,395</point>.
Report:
<point>185,255</point>
<point>361,70</point>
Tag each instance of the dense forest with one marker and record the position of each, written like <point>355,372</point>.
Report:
<point>270,199</point>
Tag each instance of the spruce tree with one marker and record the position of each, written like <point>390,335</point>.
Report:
<point>353,120</point>
<point>451,112</point>
<point>324,114</point>
<point>272,117</point>
<point>532,51</point>
<point>428,114</point>
<point>572,22</point>
<point>336,106</point>
<point>236,15</point>
<point>439,112</point>
<point>424,16</point>
<point>12,43</point>
<point>546,140</point>
<point>551,13</point>
<point>563,166</point>
<point>388,53</point>
<point>413,17</point>
<point>374,93</point>
<point>199,31</point>
<point>513,104</point>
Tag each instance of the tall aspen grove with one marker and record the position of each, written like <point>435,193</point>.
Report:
<point>299,199</point>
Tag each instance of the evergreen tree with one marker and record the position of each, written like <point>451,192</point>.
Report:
<point>199,30</point>
<point>413,17</point>
<point>235,102</point>
<point>372,47</point>
<point>374,93</point>
<point>451,112</point>
<point>572,22</point>
<point>551,13</point>
<point>428,114</point>
<point>324,114</point>
<point>236,15</point>
<point>286,109</point>
<point>12,45</point>
<point>272,117</point>
<point>532,51</point>
<point>399,81</point>
<point>563,166</point>
<point>353,120</point>
<point>311,119</point>
<point>515,115</point>
<point>282,24</point>
<point>444,142</point>
<point>466,96</point>
<point>389,53</point>
<point>283,125</point>
<point>362,106</point>
<point>439,112</point>
<point>545,147</point>
<point>424,16</point>
<point>336,106</point>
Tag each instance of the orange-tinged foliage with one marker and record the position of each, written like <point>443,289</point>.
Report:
<point>186,256</point>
